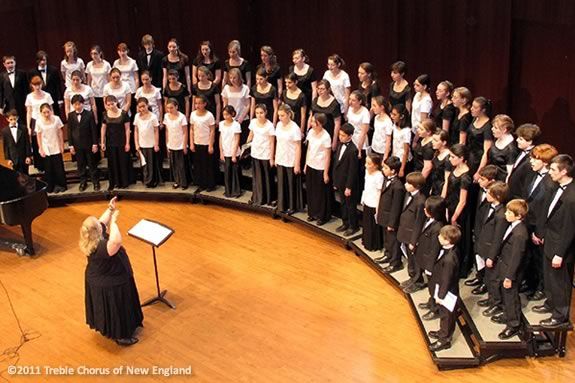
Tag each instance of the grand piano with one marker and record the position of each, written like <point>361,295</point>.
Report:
<point>22,198</point>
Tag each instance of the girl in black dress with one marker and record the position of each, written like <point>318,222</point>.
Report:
<point>208,59</point>
<point>461,101</point>
<point>178,61</point>
<point>264,93</point>
<point>115,138</point>
<point>270,64</point>
<point>479,136</point>
<point>111,296</point>
<point>326,103</point>
<point>306,76</point>
<point>504,151</point>
<point>209,89</point>
<point>445,112</point>
<point>368,84</point>
<point>296,99</point>
<point>178,91</point>
<point>457,200</point>
<point>399,89</point>
<point>235,60</point>
<point>441,166</point>
<point>423,151</point>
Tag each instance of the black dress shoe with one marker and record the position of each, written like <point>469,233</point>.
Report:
<point>523,287</point>
<point>493,310</point>
<point>424,306</point>
<point>500,319</point>
<point>290,211</point>
<point>311,219</point>
<point>392,269</point>
<point>175,186</point>
<point>552,322</point>
<point>430,315</point>
<point>508,333</point>
<point>127,341</point>
<point>472,282</point>
<point>541,309</point>
<point>479,290</point>
<point>433,334</point>
<point>321,222</point>
<point>406,283</point>
<point>97,186</point>
<point>350,231</point>
<point>483,303</point>
<point>199,190</point>
<point>413,288</point>
<point>384,259</point>
<point>536,296</point>
<point>341,228</point>
<point>439,345</point>
<point>83,186</point>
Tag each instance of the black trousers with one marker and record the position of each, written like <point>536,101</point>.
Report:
<point>416,273</point>
<point>86,164</point>
<point>119,166</point>
<point>318,195</point>
<point>262,182</point>
<point>231,178</point>
<point>178,167</point>
<point>534,268</point>
<point>511,303</point>
<point>493,291</point>
<point>290,193</point>
<point>558,288</point>
<point>21,166</point>
<point>204,168</point>
<point>348,209</point>
<point>446,323</point>
<point>55,173</point>
<point>392,247</point>
<point>151,174</point>
<point>372,235</point>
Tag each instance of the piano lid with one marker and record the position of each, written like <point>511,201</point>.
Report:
<point>14,185</point>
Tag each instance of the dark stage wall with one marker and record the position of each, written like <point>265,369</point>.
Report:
<point>519,53</point>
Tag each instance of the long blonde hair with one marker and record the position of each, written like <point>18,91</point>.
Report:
<point>90,235</point>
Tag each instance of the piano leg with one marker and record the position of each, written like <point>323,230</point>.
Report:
<point>27,231</point>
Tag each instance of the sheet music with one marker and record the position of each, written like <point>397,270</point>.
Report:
<point>479,262</point>
<point>150,232</point>
<point>142,158</point>
<point>448,302</point>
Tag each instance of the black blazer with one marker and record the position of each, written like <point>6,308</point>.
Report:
<point>446,273</point>
<point>16,151</point>
<point>537,199</point>
<point>14,97</point>
<point>518,176</point>
<point>155,67</point>
<point>492,231</point>
<point>345,170</point>
<point>428,246</point>
<point>83,134</point>
<point>390,203</point>
<point>511,253</point>
<point>558,229</point>
<point>480,210</point>
<point>53,83</point>
<point>412,219</point>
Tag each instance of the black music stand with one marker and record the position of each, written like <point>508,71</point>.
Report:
<point>155,234</point>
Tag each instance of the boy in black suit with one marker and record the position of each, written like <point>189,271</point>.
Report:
<point>51,77</point>
<point>557,228</point>
<point>411,223</point>
<point>83,141</point>
<point>150,59</point>
<point>388,213</point>
<point>526,134</point>
<point>509,267</point>
<point>345,181</point>
<point>16,144</point>
<point>13,87</point>
<point>487,176</point>
<point>446,279</point>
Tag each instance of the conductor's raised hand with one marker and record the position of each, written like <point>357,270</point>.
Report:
<point>112,203</point>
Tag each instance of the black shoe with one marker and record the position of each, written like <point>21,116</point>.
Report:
<point>384,259</point>
<point>472,282</point>
<point>483,303</point>
<point>479,290</point>
<point>184,187</point>
<point>493,310</point>
<point>541,309</point>
<point>350,231</point>
<point>552,322</point>
<point>536,296</point>
<point>97,186</point>
<point>430,315</point>
<point>433,334</point>
<point>424,306</point>
<point>83,186</point>
<point>290,211</point>
<point>311,219</point>
<point>341,228</point>
<point>439,345</point>
<point>127,341</point>
<point>175,186</point>
<point>509,332</point>
<point>413,288</point>
<point>111,187</point>
<point>406,283</point>
<point>500,319</point>
<point>321,222</point>
<point>199,190</point>
<point>392,269</point>
<point>59,189</point>
<point>523,287</point>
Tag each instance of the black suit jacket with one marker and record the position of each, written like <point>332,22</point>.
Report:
<point>390,203</point>
<point>155,67</point>
<point>492,231</point>
<point>345,170</point>
<point>53,83</point>
<point>83,134</point>
<point>14,97</point>
<point>511,253</point>
<point>16,151</point>
<point>518,176</point>
<point>558,229</point>
<point>480,211</point>
<point>536,200</point>
<point>446,273</point>
<point>428,246</point>
<point>412,219</point>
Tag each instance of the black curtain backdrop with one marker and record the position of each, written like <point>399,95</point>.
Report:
<point>519,53</point>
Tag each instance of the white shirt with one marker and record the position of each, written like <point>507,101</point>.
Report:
<point>99,77</point>
<point>12,77</point>
<point>372,189</point>
<point>239,100</point>
<point>120,93</point>
<point>50,140</point>
<point>538,179</point>
<point>154,98</point>
<point>357,120</point>
<point>175,132</point>
<point>262,137</point>
<point>129,72</point>
<point>558,195</point>
<point>287,139</point>
<point>86,92</point>
<point>14,131</point>
<point>510,229</point>
<point>227,136</point>
<point>43,73</point>
<point>419,105</point>
<point>67,68</point>
<point>382,129</point>
<point>316,148</point>
<point>400,137</point>
<point>35,103</point>
<point>202,126</point>
<point>146,130</point>
<point>338,86</point>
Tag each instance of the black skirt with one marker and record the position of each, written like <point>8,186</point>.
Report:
<point>372,235</point>
<point>231,178</point>
<point>290,192</point>
<point>318,195</point>
<point>178,167</point>
<point>151,174</point>
<point>204,168</point>
<point>262,182</point>
<point>119,166</point>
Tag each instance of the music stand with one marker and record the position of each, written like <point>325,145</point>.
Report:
<point>155,234</point>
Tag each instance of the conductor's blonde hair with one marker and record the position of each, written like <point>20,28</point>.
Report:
<point>90,235</point>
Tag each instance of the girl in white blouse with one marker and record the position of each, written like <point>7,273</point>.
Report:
<point>147,141</point>
<point>316,171</point>
<point>118,89</point>
<point>51,146</point>
<point>83,90</point>
<point>382,127</point>
<point>33,102</point>
<point>230,131</point>
<point>202,137</point>
<point>262,151</point>
<point>152,94</point>
<point>71,63</point>
<point>359,117</point>
<point>128,67</point>
<point>339,81</point>
<point>288,160</point>
<point>422,104</point>
<point>372,235</point>
<point>176,143</point>
<point>98,72</point>
<point>401,142</point>
<point>237,94</point>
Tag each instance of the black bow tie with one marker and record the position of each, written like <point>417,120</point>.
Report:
<point>13,127</point>
<point>9,73</point>
<point>563,187</point>
<point>42,70</point>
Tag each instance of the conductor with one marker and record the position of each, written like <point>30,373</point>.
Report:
<point>112,301</point>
